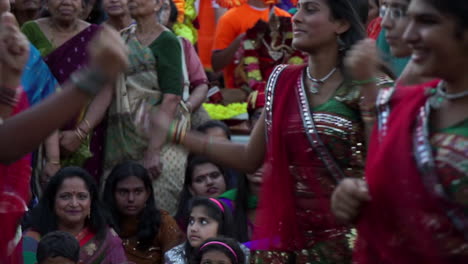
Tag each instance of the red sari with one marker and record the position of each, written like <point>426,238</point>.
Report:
<point>294,220</point>
<point>407,222</point>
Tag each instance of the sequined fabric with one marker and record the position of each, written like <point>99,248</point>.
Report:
<point>339,126</point>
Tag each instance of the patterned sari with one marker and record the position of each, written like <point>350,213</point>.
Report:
<point>308,152</point>
<point>63,61</point>
<point>92,250</point>
<point>417,178</point>
<point>137,94</point>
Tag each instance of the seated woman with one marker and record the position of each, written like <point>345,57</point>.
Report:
<point>70,203</point>
<point>208,218</point>
<point>202,178</point>
<point>147,232</point>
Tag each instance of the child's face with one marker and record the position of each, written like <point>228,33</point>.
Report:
<point>201,227</point>
<point>215,257</point>
<point>58,260</point>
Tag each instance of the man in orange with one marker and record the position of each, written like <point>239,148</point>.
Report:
<point>230,30</point>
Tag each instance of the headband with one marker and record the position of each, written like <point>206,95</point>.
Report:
<point>218,203</point>
<point>221,244</point>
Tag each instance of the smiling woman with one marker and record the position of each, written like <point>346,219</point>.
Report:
<point>416,212</point>
<point>70,203</point>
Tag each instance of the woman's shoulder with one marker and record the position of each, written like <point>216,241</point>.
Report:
<point>167,219</point>
<point>246,252</point>
<point>166,39</point>
<point>175,254</point>
<point>32,25</point>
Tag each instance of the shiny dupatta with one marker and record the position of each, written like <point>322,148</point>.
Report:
<point>411,219</point>
<point>308,152</point>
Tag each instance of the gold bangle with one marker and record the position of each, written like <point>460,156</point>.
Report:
<point>80,135</point>
<point>87,124</point>
<point>189,106</point>
<point>54,162</point>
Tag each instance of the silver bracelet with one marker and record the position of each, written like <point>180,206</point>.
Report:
<point>89,80</point>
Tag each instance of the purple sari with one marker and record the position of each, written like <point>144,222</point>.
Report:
<point>63,61</point>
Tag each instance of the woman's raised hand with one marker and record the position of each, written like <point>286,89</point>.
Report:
<point>108,53</point>
<point>14,50</point>
<point>348,198</point>
<point>362,60</point>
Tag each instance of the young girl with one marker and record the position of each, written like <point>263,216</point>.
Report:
<point>209,218</point>
<point>219,250</point>
<point>203,178</point>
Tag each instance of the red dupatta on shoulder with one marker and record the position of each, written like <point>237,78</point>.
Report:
<point>404,221</point>
<point>276,227</point>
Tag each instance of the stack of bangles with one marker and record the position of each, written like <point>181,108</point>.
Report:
<point>368,114</point>
<point>368,110</point>
<point>177,131</point>
<point>82,134</point>
<point>9,96</point>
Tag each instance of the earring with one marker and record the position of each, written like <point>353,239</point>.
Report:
<point>341,43</point>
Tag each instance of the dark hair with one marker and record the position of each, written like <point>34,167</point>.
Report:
<point>239,258</point>
<point>377,3</point>
<point>240,212</point>
<point>174,12</point>
<point>222,216</point>
<point>455,8</point>
<point>345,10</point>
<point>97,14</point>
<point>58,244</point>
<point>362,9</point>
<point>213,124</point>
<point>150,218</point>
<point>43,218</point>
<point>183,206</point>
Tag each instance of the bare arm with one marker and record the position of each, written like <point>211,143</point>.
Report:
<point>369,94</point>
<point>97,110</point>
<point>246,158</point>
<point>168,108</point>
<point>221,58</point>
<point>197,97</point>
<point>15,133</point>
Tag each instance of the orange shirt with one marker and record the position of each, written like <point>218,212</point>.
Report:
<point>235,22</point>
<point>206,32</point>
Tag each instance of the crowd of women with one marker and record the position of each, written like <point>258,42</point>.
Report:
<point>359,155</point>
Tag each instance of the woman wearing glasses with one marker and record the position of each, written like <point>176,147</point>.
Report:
<point>414,201</point>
